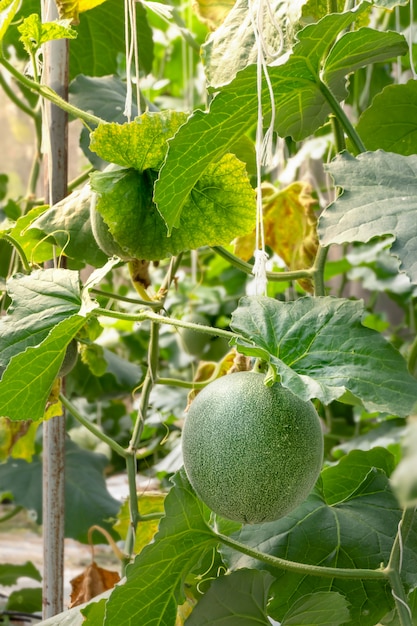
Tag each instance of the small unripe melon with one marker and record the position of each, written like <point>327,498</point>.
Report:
<point>192,341</point>
<point>252,453</point>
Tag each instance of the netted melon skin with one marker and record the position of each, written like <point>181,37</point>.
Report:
<point>252,453</point>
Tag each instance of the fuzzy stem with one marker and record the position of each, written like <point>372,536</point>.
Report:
<point>16,245</point>
<point>302,568</point>
<point>318,271</point>
<point>49,94</point>
<point>160,319</point>
<point>248,268</point>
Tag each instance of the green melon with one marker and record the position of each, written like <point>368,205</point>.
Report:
<point>70,358</point>
<point>192,341</point>
<point>104,239</point>
<point>252,453</point>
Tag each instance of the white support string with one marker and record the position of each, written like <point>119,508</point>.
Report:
<point>132,57</point>
<point>264,142</point>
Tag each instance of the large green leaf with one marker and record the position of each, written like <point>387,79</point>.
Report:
<point>240,597</point>
<point>220,207</point>
<point>232,46</point>
<point>320,349</point>
<point>379,198</point>
<point>390,122</point>
<point>356,530</point>
<point>39,302</point>
<point>155,581</point>
<point>301,106</point>
<point>87,501</point>
<point>47,311</point>
<point>141,144</point>
<point>101,39</point>
<point>28,379</point>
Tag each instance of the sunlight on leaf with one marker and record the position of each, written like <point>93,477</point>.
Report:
<point>17,439</point>
<point>212,12</point>
<point>70,9</point>
<point>221,206</point>
<point>301,107</point>
<point>34,33</point>
<point>233,46</point>
<point>141,144</point>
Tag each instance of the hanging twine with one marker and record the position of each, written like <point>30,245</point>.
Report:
<point>264,142</point>
<point>132,58</point>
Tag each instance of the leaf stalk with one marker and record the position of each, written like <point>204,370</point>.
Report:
<point>302,568</point>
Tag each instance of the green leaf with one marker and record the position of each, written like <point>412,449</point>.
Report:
<point>325,608</point>
<point>357,532</point>
<point>9,9</point>
<point>68,222</point>
<point>220,206</point>
<point>39,302</point>
<point>154,585</point>
<point>47,312</point>
<point>36,249</point>
<point>390,122</point>
<point>240,597</point>
<point>232,46</point>
<point>87,501</point>
<point>34,33</point>
<point>357,49</point>
<point>141,144</point>
<point>10,573</point>
<point>28,600</point>
<point>380,184</point>
<point>300,105</point>
<point>28,379</point>
<point>101,39</point>
<point>320,349</point>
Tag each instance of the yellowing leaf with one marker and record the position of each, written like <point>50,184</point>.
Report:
<point>290,227</point>
<point>69,9</point>
<point>93,581</point>
<point>149,502</point>
<point>212,12</point>
<point>17,439</point>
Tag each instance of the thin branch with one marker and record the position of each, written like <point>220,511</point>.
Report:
<point>340,114</point>
<point>302,568</point>
<point>92,428</point>
<point>49,94</point>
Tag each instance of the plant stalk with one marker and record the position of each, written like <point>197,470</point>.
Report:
<point>318,271</point>
<point>302,568</point>
<point>248,268</point>
<point>343,118</point>
<point>49,94</point>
